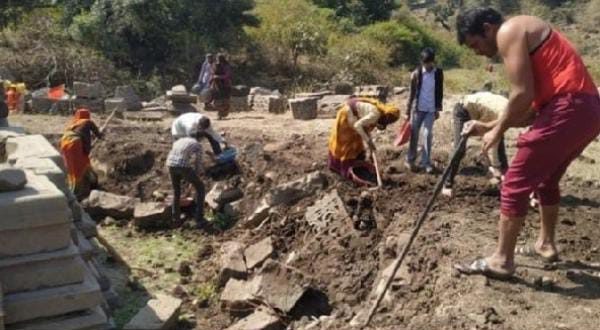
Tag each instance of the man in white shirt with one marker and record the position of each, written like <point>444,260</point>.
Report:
<point>194,123</point>
<point>484,107</point>
<point>424,105</point>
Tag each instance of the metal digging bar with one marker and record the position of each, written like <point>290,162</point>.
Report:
<point>398,261</point>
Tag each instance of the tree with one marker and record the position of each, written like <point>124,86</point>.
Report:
<point>361,12</point>
<point>12,10</point>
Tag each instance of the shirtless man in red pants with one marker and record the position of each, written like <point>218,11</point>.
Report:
<point>545,74</point>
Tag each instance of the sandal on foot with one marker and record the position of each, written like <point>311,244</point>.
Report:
<point>530,251</point>
<point>481,267</point>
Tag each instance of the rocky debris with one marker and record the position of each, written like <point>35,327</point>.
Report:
<point>261,319</point>
<point>88,91</point>
<point>11,178</point>
<point>304,108</point>
<point>327,211</point>
<point>151,215</point>
<point>256,254</point>
<point>160,313</point>
<point>375,91</point>
<point>232,262</point>
<point>220,195</point>
<point>291,192</point>
<point>329,105</point>
<point>287,194</point>
<point>132,100</point>
<point>101,204</point>
<point>239,295</point>
<point>233,210</point>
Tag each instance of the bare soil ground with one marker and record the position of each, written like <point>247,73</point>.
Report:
<point>343,263</point>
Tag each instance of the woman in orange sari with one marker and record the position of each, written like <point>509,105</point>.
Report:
<point>349,142</point>
<point>75,147</point>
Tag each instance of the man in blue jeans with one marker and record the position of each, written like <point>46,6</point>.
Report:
<point>424,105</point>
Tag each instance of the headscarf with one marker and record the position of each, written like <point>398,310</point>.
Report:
<point>386,109</point>
<point>81,117</point>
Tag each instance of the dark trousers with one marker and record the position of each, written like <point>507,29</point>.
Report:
<point>461,116</point>
<point>188,174</point>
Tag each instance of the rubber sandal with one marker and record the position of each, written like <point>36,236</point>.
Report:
<point>481,267</point>
<point>529,251</point>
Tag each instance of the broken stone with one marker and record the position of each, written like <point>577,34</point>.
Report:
<point>88,91</point>
<point>132,100</point>
<point>293,191</point>
<point>280,287</point>
<point>327,211</point>
<point>160,313</point>
<point>151,215</point>
<point>101,204</point>
<point>220,195</point>
<point>304,108</point>
<point>11,179</point>
<point>232,262</point>
<point>269,103</point>
<point>233,210</point>
<point>261,319</point>
<point>239,295</point>
<point>256,254</point>
<point>260,91</point>
<point>259,215</point>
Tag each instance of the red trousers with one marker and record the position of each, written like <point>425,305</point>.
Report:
<point>560,133</point>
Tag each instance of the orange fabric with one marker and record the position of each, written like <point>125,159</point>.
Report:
<point>76,161</point>
<point>56,93</point>
<point>558,69</point>
<point>344,142</point>
<point>403,135</point>
<point>81,117</point>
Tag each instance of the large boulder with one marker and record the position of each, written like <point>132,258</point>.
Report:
<point>151,215</point>
<point>326,212</point>
<point>101,204</point>
<point>11,179</point>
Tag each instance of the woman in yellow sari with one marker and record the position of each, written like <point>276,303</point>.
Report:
<point>349,141</point>
<point>75,147</point>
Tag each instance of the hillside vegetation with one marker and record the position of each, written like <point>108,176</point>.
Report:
<point>285,44</point>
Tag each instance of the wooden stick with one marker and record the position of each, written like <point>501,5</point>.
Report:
<point>379,180</point>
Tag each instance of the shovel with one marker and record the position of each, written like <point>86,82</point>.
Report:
<point>379,180</point>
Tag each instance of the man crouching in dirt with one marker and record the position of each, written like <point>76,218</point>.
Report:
<point>349,139</point>
<point>191,123</point>
<point>185,163</point>
<point>546,73</point>
<point>483,107</point>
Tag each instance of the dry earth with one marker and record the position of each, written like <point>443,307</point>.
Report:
<point>341,264</point>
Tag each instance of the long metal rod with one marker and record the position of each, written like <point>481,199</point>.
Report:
<point>398,261</point>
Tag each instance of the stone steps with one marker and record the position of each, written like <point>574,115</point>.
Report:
<point>93,319</point>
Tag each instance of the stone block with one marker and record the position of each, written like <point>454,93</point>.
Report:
<point>239,104</point>
<point>102,279</point>
<point>88,91</point>
<point>379,92</point>
<point>240,91</point>
<point>117,103</point>
<point>280,287</point>
<point>101,204</point>
<point>181,97</point>
<point>220,194</point>
<point>160,313</point>
<point>33,146</point>
<point>329,105</point>
<point>34,240</point>
<point>38,204</point>
<point>260,91</point>
<point>151,215</point>
<point>261,319</point>
<point>94,105</point>
<point>304,108</point>
<point>132,100</point>
<point>313,95</point>
<point>87,247</point>
<point>25,306</point>
<point>12,131</point>
<point>239,294</point>
<point>291,192</point>
<point>232,262</point>
<point>11,178</point>
<point>257,253</point>
<point>45,167</point>
<point>42,270</point>
<point>269,103</point>
<point>91,319</point>
<point>326,212</point>
<point>343,88</point>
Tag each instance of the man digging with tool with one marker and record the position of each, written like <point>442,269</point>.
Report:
<point>546,73</point>
<point>483,107</point>
<point>191,123</point>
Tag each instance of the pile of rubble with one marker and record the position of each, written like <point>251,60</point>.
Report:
<point>48,272</point>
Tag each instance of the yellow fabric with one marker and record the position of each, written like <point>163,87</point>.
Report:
<point>344,141</point>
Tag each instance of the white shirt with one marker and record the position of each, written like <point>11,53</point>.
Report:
<point>426,102</point>
<point>187,125</point>
<point>484,106</point>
